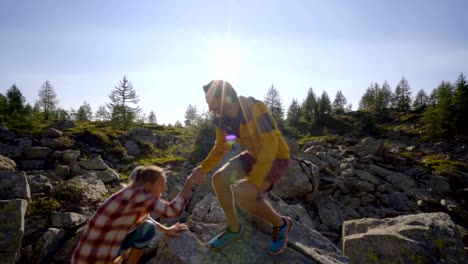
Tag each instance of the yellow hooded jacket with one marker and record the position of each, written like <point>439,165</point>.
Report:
<point>255,129</point>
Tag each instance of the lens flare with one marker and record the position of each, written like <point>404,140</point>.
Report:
<point>231,139</point>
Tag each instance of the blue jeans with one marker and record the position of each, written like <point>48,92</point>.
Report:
<point>141,237</point>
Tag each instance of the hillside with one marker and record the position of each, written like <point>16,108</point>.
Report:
<point>360,169</point>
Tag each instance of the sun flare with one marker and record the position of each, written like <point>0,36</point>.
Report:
<point>226,63</point>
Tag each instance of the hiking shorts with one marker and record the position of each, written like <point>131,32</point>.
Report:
<point>279,168</point>
<point>141,237</point>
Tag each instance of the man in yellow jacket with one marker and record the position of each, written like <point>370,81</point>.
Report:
<point>247,122</point>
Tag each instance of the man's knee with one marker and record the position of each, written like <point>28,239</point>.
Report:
<point>224,177</point>
<point>218,179</point>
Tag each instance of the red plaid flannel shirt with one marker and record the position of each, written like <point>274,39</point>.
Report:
<point>114,219</point>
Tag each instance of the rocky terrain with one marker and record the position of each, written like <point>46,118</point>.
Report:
<point>353,200</point>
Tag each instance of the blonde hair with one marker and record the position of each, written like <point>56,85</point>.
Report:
<point>143,174</point>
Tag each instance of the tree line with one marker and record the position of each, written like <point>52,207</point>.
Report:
<point>122,111</point>
<point>443,111</point>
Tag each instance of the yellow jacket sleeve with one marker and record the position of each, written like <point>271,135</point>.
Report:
<point>217,152</point>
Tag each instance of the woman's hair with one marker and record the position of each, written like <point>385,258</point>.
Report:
<point>221,89</point>
<point>143,174</point>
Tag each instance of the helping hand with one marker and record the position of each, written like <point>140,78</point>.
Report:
<point>172,230</point>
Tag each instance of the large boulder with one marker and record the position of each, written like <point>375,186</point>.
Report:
<point>13,185</point>
<point>419,238</point>
<point>305,244</point>
<point>11,228</point>
<point>10,151</point>
<point>294,184</point>
<point>7,164</point>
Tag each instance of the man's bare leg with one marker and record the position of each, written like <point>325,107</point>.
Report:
<point>251,199</point>
<point>222,186</point>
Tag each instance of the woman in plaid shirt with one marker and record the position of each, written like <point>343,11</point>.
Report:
<point>122,225</point>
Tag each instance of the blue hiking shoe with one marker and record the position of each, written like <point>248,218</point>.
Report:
<point>280,237</point>
<point>225,238</point>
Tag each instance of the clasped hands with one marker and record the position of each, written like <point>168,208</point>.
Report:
<point>198,176</point>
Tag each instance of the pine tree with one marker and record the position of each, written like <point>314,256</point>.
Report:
<point>309,106</point>
<point>339,103</point>
<point>433,98</point>
<point>402,99</point>
<point>273,102</point>
<point>152,117</point>
<point>191,116</point>
<point>178,124</point>
<point>386,94</point>
<point>3,107</point>
<point>47,100</point>
<point>349,108</point>
<point>102,114</point>
<point>294,114</point>
<point>439,121</point>
<point>461,104</point>
<point>84,113</point>
<point>62,114</point>
<point>368,99</point>
<point>324,104</point>
<point>15,101</point>
<point>123,114</point>
<point>420,101</point>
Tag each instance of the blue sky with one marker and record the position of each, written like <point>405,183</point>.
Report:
<point>170,49</point>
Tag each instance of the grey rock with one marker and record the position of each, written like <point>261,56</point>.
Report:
<point>37,164</point>
<point>70,157</point>
<point>14,185</point>
<point>67,220</point>
<point>10,151</point>
<point>53,143</point>
<point>62,171</point>
<point>23,142</point>
<point>366,176</point>
<point>399,180</point>
<point>39,183</point>
<point>11,226</point>
<point>65,254</point>
<point>95,163</point>
<point>357,186</point>
<point>6,134</point>
<point>7,164</point>
<point>419,238</point>
<point>47,244</point>
<point>37,152</point>
<point>329,211</point>
<point>294,184</point>
<point>132,148</point>
<point>54,132</point>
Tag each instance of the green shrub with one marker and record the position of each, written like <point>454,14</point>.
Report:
<point>45,206</point>
<point>147,148</point>
<point>118,151</point>
<point>204,141</point>
<point>66,192</point>
<point>66,142</point>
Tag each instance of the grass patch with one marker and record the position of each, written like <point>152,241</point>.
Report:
<point>302,141</point>
<point>439,164</point>
<point>161,161</point>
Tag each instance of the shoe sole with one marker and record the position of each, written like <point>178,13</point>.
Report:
<point>290,223</point>
<point>221,247</point>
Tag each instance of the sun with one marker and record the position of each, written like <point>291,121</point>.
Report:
<point>226,63</point>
